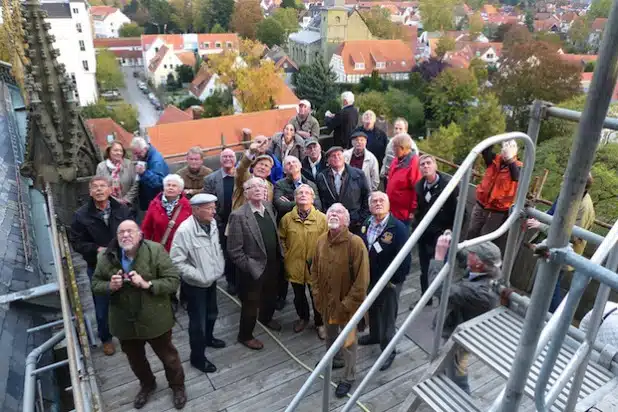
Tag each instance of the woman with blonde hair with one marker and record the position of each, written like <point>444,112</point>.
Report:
<point>121,172</point>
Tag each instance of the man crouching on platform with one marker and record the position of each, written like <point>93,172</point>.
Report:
<point>139,277</point>
<point>340,276</point>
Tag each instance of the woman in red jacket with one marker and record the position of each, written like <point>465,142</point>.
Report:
<point>168,209</point>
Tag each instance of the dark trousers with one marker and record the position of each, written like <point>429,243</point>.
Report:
<point>135,349</point>
<point>383,314</point>
<point>257,295</point>
<point>302,305</point>
<point>282,290</point>
<point>203,311</point>
<point>230,268</point>
<point>556,298</point>
<point>485,221</point>
<point>101,309</point>
<point>426,250</point>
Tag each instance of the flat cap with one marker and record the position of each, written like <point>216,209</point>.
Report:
<point>309,142</point>
<point>263,157</point>
<point>488,253</point>
<point>333,150</point>
<point>359,133</point>
<point>201,198</point>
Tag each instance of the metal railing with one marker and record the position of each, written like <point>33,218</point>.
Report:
<point>462,176</point>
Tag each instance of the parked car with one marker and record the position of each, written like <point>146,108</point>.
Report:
<point>136,74</point>
<point>111,95</point>
<point>142,86</point>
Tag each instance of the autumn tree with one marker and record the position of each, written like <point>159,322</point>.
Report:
<point>109,76</point>
<point>316,83</point>
<point>445,45</point>
<point>5,54</point>
<point>251,51</point>
<point>534,70</point>
<point>271,32</point>
<point>130,30</point>
<point>225,65</point>
<point>516,35</point>
<point>379,23</point>
<point>257,87</point>
<point>246,17</point>
<point>451,94</point>
<point>437,15</point>
<point>475,25</point>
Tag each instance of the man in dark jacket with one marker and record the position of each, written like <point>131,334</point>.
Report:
<point>376,138</point>
<point>283,198</point>
<point>314,161</point>
<point>343,123</point>
<point>428,189</point>
<point>384,237</point>
<point>469,297</point>
<point>140,277</point>
<point>340,183</point>
<point>151,168</point>
<point>94,226</point>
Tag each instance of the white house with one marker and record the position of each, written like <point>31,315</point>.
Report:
<point>70,25</point>
<point>128,50</point>
<point>107,20</point>
<point>165,62</point>
<point>205,84</point>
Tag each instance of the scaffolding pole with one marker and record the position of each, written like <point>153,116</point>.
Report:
<point>580,161</point>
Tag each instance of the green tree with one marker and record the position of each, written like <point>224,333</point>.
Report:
<point>185,73</point>
<point>529,20</point>
<point>479,68</point>
<point>182,14</point>
<point>130,30</point>
<point>578,34</point>
<point>292,4</point>
<point>246,18</point>
<point>288,18</point>
<point>437,15</point>
<point>271,32</point>
<point>218,104</point>
<point>485,120</point>
<point>445,45</point>
<point>97,110</point>
<point>401,104</point>
<point>373,100</point>
<point>219,13</point>
<point>109,76</point>
<point>316,83</point>
<point>551,38</point>
<point>159,12</point>
<point>379,23</point>
<point>599,8</point>
<point>188,102</point>
<point>476,25</point>
<point>441,143</point>
<point>171,83</point>
<point>124,114</point>
<point>451,94</point>
<point>217,28</point>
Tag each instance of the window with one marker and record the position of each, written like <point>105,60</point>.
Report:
<point>206,45</point>
<point>165,66</point>
<point>75,10</point>
<point>359,66</point>
<point>85,64</point>
<point>229,44</point>
<point>337,19</point>
<point>490,55</point>
<point>218,45</point>
<point>156,50</point>
<point>78,26</point>
<point>82,45</point>
<point>380,65</point>
<point>73,78</point>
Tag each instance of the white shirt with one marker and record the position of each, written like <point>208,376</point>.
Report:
<point>254,209</point>
<point>314,165</point>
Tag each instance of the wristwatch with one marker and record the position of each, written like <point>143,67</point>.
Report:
<point>149,285</point>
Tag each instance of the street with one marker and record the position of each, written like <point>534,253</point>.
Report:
<point>147,114</point>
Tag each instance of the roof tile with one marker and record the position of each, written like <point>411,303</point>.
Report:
<point>173,114</point>
<point>101,128</point>
<point>398,56</point>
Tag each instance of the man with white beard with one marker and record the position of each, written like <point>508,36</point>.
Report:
<point>139,277</point>
<point>340,277</point>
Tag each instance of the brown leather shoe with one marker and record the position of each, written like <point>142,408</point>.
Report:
<point>254,344</point>
<point>108,348</point>
<point>321,332</point>
<point>300,325</point>
<point>273,325</point>
<point>180,398</point>
<point>142,396</point>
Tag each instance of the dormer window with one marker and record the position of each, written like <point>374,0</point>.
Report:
<point>380,65</point>
<point>359,66</point>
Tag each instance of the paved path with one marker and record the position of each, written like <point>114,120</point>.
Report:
<point>147,114</point>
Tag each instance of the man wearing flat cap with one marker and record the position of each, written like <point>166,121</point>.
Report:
<point>314,161</point>
<point>305,124</point>
<point>197,254</point>
<point>468,298</point>
<point>341,183</point>
<point>254,163</point>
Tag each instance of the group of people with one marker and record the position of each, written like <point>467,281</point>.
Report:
<point>286,211</point>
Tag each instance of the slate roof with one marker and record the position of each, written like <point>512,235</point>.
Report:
<point>57,10</point>
<point>15,344</point>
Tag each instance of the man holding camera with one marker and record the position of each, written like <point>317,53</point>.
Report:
<point>139,277</point>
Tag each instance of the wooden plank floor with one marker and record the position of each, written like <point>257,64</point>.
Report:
<point>267,380</point>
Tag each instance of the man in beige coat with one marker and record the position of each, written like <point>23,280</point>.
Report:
<point>340,277</point>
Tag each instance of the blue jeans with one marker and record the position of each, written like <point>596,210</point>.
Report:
<point>203,311</point>
<point>101,308</point>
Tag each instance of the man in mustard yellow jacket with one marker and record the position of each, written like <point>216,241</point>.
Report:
<point>299,231</point>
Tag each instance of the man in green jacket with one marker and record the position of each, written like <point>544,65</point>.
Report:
<point>139,277</point>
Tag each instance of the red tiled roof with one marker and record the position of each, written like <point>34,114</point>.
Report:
<point>581,59</point>
<point>101,12</point>
<point>174,40</point>
<point>546,25</point>
<point>599,24</point>
<point>157,59</point>
<point>173,114</point>
<point>394,53</point>
<point>110,43</point>
<point>200,81</point>
<point>187,58</point>
<point>177,40</point>
<point>208,132</point>
<point>101,128</point>
<point>410,36</point>
<point>222,38</point>
<point>285,96</point>
<point>286,59</point>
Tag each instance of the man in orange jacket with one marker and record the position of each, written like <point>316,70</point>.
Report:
<point>496,192</point>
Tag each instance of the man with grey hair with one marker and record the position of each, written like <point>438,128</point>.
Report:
<point>254,246</point>
<point>343,123</point>
<point>376,138</point>
<point>384,237</point>
<point>340,276</point>
<point>400,126</point>
<point>194,172</point>
<point>151,168</point>
<point>284,188</point>
<point>469,297</point>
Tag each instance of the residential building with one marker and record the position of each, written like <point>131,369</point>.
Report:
<point>551,24</point>
<point>335,24</point>
<point>71,27</point>
<point>173,114</point>
<point>128,50</point>
<point>353,60</point>
<point>205,84</point>
<point>208,132</point>
<point>578,59</point>
<point>162,65</point>
<point>428,41</point>
<point>596,30</point>
<point>107,20</point>
<point>464,52</point>
<point>282,61</point>
<point>106,130</point>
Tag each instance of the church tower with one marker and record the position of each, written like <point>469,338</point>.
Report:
<point>333,27</point>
